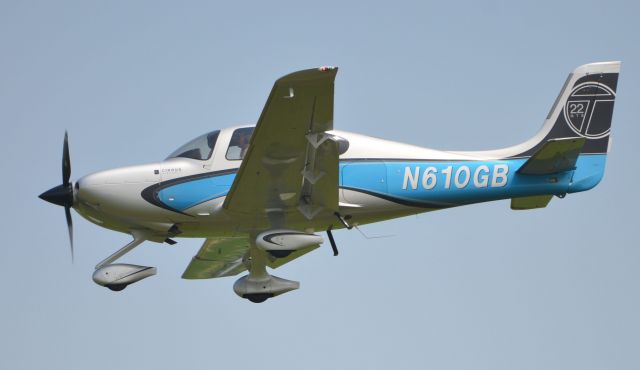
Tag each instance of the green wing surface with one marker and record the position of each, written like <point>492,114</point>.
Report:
<point>291,165</point>
<point>291,168</point>
<point>223,256</point>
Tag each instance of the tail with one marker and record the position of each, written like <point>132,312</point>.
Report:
<point>575,136</point>
<point>583,109</point>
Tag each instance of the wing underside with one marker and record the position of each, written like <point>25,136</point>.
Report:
<point>291,166</point>
<point>289,174</point>
<point>223,256</point>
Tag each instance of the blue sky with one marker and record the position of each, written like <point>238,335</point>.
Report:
<point>479,287</point>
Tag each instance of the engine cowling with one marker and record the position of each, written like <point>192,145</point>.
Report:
<point>118,275</point>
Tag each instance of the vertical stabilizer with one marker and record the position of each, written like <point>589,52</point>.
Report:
<point>583,109</point>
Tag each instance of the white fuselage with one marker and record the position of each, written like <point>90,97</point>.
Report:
<point>113,199</point>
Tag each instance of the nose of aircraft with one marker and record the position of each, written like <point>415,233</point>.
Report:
<point>61,195</point>
<point>90,188</point>
<point>117,189</point>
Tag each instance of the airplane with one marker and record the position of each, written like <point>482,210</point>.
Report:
<point>260,195</point>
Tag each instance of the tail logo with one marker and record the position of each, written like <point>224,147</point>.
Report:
<point>588,110</point>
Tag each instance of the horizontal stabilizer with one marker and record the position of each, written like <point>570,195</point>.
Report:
<point>537,201</point>
<point>556,155</point>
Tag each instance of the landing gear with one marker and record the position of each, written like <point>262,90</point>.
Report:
<point>138,238</point>
<point>259,289</point>
<point>258,285</point>
<point>258,297</point>
<point>116,276</point>
<point>116,287</point>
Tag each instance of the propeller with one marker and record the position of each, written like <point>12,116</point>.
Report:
<point>62,195</point>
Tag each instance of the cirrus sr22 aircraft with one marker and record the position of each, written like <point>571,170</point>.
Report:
<point>260,195</point>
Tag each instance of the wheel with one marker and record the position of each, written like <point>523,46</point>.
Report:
<point>116,287</point>
<point>258,297</point>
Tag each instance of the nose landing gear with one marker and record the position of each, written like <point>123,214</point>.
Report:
<point>117,276</point>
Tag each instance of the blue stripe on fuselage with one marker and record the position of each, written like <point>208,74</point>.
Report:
<point>463,182</point>
<point>187,194</point>
<point>421,182</point>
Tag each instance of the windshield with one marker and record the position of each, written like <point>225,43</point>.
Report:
<point>199,148</point>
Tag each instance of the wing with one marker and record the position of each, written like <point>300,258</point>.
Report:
<point>220,257</point>
<point>291,165</point>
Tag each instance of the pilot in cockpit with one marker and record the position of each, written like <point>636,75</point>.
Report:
<point>239,143</point>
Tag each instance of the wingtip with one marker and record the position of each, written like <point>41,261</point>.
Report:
<point>312,74</point>
<point>327,68</point>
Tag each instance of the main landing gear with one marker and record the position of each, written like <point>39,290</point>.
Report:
<point>258,285</point>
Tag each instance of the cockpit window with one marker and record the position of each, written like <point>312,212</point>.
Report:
<point>239,143</point>
<point>199,148</point>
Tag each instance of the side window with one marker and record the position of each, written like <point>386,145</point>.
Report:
<point>239,143</point>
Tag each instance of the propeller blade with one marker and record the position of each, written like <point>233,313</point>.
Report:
<point>67,212</point>
<point>62,195</point>
<point>66,161</point>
